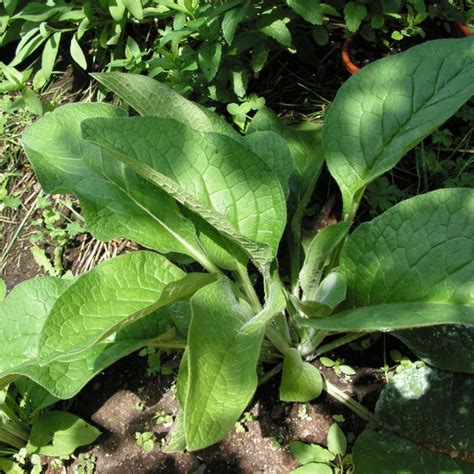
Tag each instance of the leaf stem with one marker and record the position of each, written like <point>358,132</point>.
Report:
<point>202,258</point>
<point>307,347</point>
<point>242,277</point>
<point>270,374</point>
<point>277,339</point>
<point>275,334</point>
<point>281,322</point>
<point>12,440</point>
<point>349,402</point>
<point>13,431</point>
<point>341,341</point>
<point>355,205</point>
<point>295,261</point>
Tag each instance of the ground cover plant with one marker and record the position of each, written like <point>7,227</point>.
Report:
<point>209,49</point>
<point>389,22</point>
<point>196,46</point>
<point>27,431</point>
<point>180,181</point>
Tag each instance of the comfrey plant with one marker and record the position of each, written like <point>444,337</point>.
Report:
<point>182,183</point>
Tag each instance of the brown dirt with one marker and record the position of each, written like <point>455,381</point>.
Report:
<point>18,263</point>
<point>110,402</point>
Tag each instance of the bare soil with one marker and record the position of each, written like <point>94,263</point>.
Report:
<point>123,400</point>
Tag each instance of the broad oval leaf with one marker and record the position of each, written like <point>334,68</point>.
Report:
<point>115,201</point>
<point>419,250</point>
<point>59,433</point>
<point>453,345</point>
<point>131,287</point>
<point>306,453</point>
<point>22,315</point>
<point>221,364</point>
<point>152,98</point>
<point>405,441</point>
<point>389,106</point>
<point>411,267</point>
<point>337,441</point>
<point>214,176</point>
<point>27,307</point>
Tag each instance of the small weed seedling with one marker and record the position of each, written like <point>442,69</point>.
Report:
<point>145,440</point>
<point>317,459</point>
<point>403,361</point>
<point>86,464</point>
<point>139,406</point>
<point>240,426</point>
<point>338,366</point>
<point>57,228</point>
<point>162,418</point>
<point>303,412</point>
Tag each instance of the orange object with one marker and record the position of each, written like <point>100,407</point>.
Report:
<point>350,66</point>
<point>464,29</point>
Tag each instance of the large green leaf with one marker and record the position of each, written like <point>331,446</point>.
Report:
<point>426,426</point>
<point>151,98</point>
<point>113,295</point>
<point>115,201</point>
<point>389,106</point>
<point>214,176</point>
<point>453,345</point>
<point>64,377</point>
<point>390,317</point>
<point>413,266</point>
<point>422,249</point>
<point>222,361</point>
<point>22,316</point>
